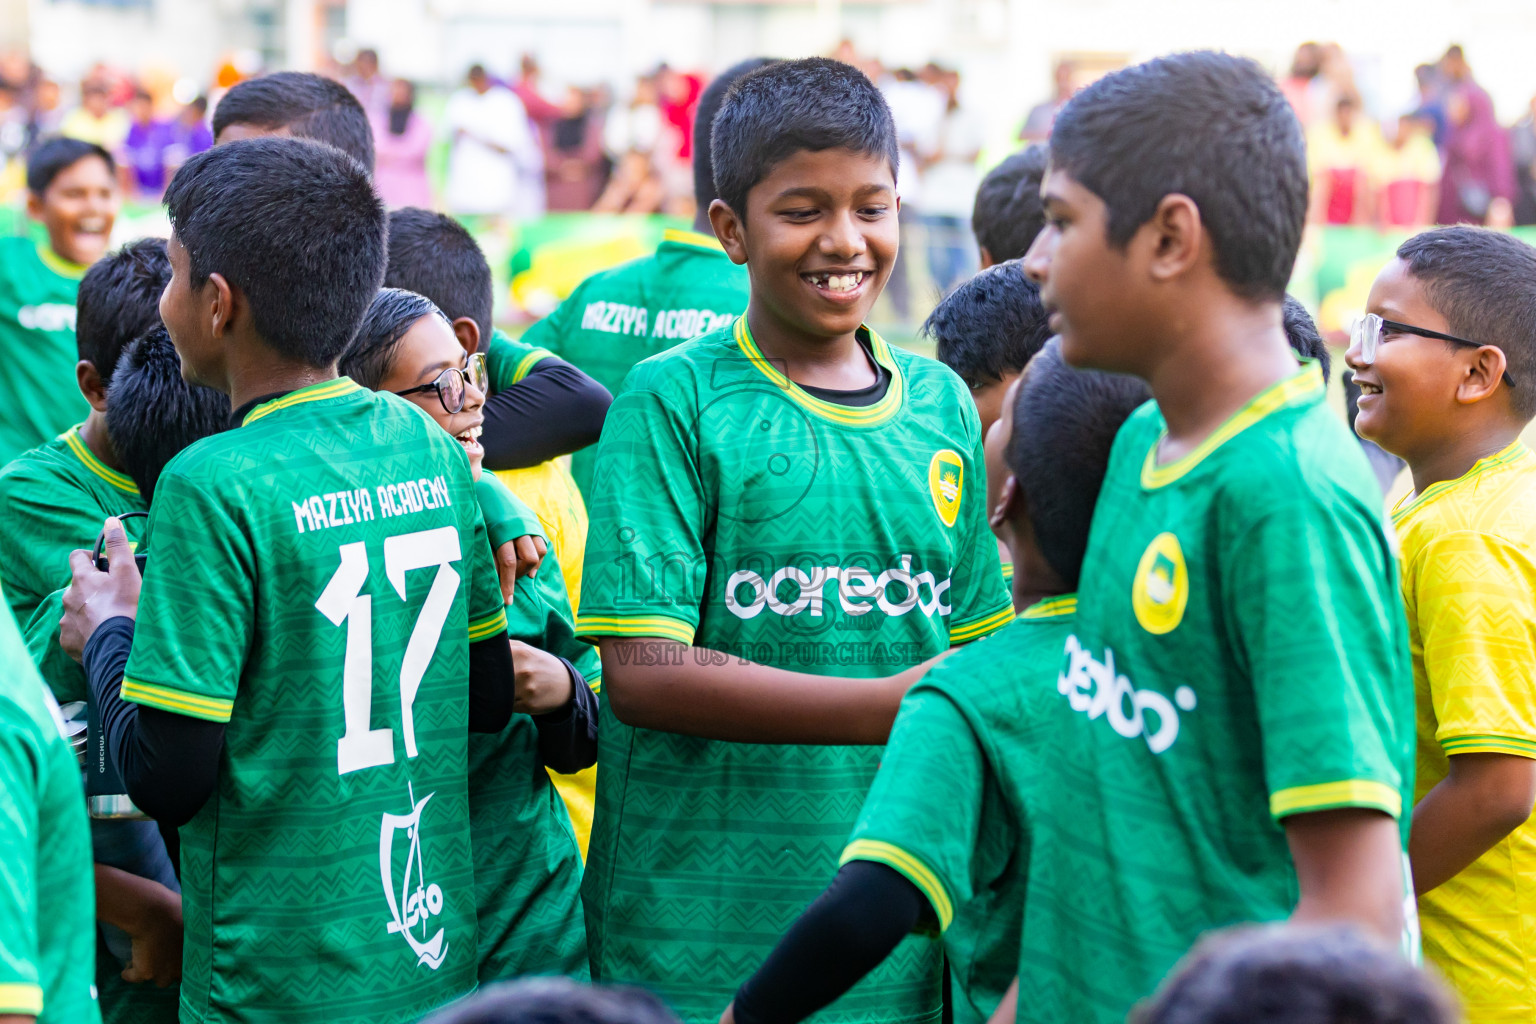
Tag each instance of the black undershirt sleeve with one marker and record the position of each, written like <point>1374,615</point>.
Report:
<point>169,763</point>
<point>850,929</point>
<point>568,737</point>
<point>553,411</point>
<point>492,684</point>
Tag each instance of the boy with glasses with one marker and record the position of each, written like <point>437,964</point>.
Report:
<point>1446,363</point>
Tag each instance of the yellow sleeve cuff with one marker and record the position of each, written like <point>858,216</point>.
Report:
<point>489,626</point>
<point>978,628</point>
<point>663,626</point>
<point>181,702</point>
<point>1488,743</point>
<point>1327,796</point>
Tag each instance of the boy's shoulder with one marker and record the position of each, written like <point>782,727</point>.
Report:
<point>1495,499</point>
<point>1018,659</point>
<point>686,369</point>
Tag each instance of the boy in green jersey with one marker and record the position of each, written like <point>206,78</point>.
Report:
<point>47,930</point>
<point>686,288</point>
<point>320,624</point>
<point>54,497</point>
<point>785,513</point>
<point>942,842</point>
<point>527,866</point>
<point>72,191</point>
<point>1233,733</point>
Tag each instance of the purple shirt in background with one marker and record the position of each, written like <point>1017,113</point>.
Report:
<point>144,151</point>
<point>187,140</point>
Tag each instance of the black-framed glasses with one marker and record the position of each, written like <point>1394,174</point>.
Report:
<point>449,384</point>
<point>1368,329</point>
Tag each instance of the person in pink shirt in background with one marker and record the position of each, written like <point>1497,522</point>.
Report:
<point>401,138</point>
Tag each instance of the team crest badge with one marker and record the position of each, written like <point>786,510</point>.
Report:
<point>1161,589</point>
<point>945,475</point>
<point>418,901</point>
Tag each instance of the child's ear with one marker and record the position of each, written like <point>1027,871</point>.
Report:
<point>1482,374</point>
<point>34,206</point>
<point>468,333</point>
<point>223,304</point>
<point>729,229</point>
<point>1010,501</point>
<point>91,385</point>
<point>1175,235</point>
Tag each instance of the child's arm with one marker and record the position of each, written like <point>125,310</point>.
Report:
<point>1484,798</point>
<point>1347,869</point>
<point>666,685</point>
<point>151,916</point>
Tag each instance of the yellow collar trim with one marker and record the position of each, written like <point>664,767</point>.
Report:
<point>59,265</point>
<point>1514,453</point>
<point>1051,608</point>
<point>866,416</point>
<point>76,444</point>
<point>311,393</point>
<point>694,238</point>
<point>1303,386</point>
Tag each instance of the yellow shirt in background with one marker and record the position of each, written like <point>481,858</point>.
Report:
<point>1469,583</point>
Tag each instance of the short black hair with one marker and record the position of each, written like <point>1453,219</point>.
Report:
<point>1207,125</point>
<point>310,106</point>
<point>1008,215</point>
<point>120,300</point>
<point>296,226</point>
<point>704,124</point>
<point>1301,331</point>
<point>990,325</point>
<point>555,1001</point>
<point>153,413</point>
<point>434,255</point>
<point>372,350</point>
<point>1064,425</point>
<point>782,108</point>
<point>1484,283</point>
<point>54,156</point>
<point>1295,974</point>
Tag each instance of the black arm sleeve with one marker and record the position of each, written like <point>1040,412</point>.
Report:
<point>554,410</point>
<point>853,926</point>
<point>169,763</point>
<point>568,737</point>
<point>492,683</point>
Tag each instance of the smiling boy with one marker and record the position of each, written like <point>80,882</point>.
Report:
<point>1234,713</point>
<point>1446,365</point>
<point>788,517</point>
<point>72,191</point>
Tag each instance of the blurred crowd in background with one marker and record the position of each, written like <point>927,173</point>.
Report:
<point>509,149</point>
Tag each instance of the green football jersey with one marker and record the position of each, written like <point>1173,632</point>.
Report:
<point>316,578</point>
<point>949,806</point>
<point>527,863</point>
<point>618,317</point>
<point>52,501</point>
<point>1240,655</point>
<point>38,397</point>
<point>47,888</point>
<point>734,511</point>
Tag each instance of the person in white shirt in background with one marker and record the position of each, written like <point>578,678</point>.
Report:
<point>494,151</point>
<point>950,179</point>
<point>917,108</point>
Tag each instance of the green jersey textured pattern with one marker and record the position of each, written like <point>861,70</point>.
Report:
<point>316,579</point>
<point>527,863</point>
<point>1240,655</point>
<point>618,317</point>
<point>47,892</point>
<point>38,397</point>
<point>773,526</point>
<point>949,806</point>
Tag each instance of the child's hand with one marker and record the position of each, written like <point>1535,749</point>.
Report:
<point>729,1016</point>
<point>94,596</point>
<point>156,951</point>
<point>518,558</point>
<point>543,684</point>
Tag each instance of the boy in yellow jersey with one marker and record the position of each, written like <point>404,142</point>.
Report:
<point>1445,358</point>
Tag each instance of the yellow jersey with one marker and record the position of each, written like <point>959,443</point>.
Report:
<point>1469,583</point>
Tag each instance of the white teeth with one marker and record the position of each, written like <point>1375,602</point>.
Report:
<point>838,282</point>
